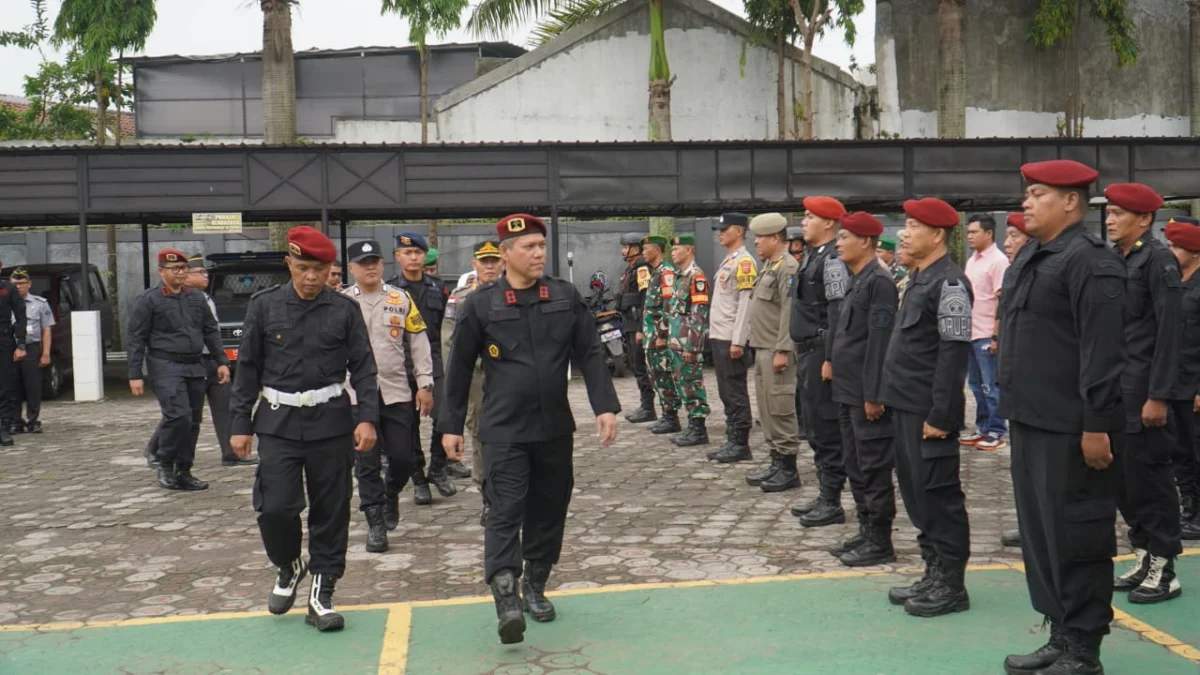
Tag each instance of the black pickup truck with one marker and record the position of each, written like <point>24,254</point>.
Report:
<point>232,279</point>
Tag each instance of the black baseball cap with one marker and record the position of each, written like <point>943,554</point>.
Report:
<point>364,250</point>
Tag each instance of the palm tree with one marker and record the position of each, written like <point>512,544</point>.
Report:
<point>1194,16</point>
<point>952,70</point>
<point>278,89</point>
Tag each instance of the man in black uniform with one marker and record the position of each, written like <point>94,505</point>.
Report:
<point>820,285</point>
<point>634,282</point>
<point>1184,235</point>
<point>860,343</point>
<point>527,329</point>
<point>12,341</point>
<point>430,295</point>
<point>1060,362</point>
<point>923,378</point>
<point>1147,496</point>
<point>795,236</point>
<point>169,328</point>
<point>300,340</point>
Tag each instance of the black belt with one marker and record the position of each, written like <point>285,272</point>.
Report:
<point>176,358</point>
<point>809,344</point>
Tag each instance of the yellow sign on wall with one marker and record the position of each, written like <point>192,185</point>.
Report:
<point>217,223</point>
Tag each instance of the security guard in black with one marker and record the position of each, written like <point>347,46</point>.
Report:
<point>12,340</point>
<point>631,299</point>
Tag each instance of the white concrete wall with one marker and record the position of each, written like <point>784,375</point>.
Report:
<point>1025,124</point>
<point>597,91</point>
<point>381,131</point>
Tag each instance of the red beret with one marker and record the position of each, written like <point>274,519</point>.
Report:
<point>1183,235</point>
<point>518,224</point>
<point>1017,220</point>
<point>1133,197</point>
<point>862,223</point>
<point>1063,173</point>
<point>932,212</point>
<point>306,242</point>
<point>170,255</point>
<point>825,207</point>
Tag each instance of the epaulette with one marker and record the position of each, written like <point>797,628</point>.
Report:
<point>266,290</point>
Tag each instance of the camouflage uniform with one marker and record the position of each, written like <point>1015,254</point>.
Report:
<point>687,316</point>
<point>899,273</point>
<point>659,294</point>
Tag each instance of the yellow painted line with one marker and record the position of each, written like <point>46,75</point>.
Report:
<point>1129,556</point>
<point>393,655</point>
<point>1152,634</point>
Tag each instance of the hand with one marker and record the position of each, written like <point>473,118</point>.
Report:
<point>873,410</point>
<point>660,343</point>
<point>689,357</point>
<point>241,445</point>
<point>1097,452</point>
<point>364,437</point>
<point>736,351</point>
<point>45,360</point>
<point>1196,404</point>
<point>779,362</point>
<point>1154,413</point>
<point>453,445</point>
<point>993,346</point>
<point>138,387</point>
<point>19,355</point>
<point>606,429</point>
<point>223,375</point>
<point>933,432</point>
<point>826,371</point>
<point>641,337</point>
<point>425,402</point>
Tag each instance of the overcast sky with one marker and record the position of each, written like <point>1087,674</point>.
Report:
<point>221,26</point>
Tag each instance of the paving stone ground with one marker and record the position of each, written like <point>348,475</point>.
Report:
<point>86,535</point>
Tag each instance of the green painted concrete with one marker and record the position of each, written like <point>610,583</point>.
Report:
<point>266,645</point>
<point>1180,617</point>
<point>843,626</point>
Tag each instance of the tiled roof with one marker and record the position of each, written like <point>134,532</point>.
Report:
<point>127,119</point>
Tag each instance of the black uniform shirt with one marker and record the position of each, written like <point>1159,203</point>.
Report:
<point>12,308</point>
<point>430,295</point>
<point>821,284</point>
<point>860,341</point>
<point>165,325</point>
<point>1189,354</point>
<point>926,366</point>
<point>1062,348</point>
<point>1153,315</point>
<point>295,345</point>
<point>526,339</point>
<point>633,292</point>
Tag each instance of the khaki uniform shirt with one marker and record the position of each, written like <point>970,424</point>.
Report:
<point>770,312</point>
<point>448,321</point>
<point>393,320</point>
<point>729,314</point>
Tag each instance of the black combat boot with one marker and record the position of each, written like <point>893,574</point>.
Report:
<point>391,511</point>
<point>1160,583</point>
<point>5,435</point>
<point>876,549</point>
<point>843,547</point>
<point>511,625</point>
<point>17,427</point>
<point>1011,539</point>
<point>1191,528</point>
<point>902,594</point>
<point>946,595</point>
<point>785,478</point>
<point>1136,574</point>
<point>377,540</point>
<point>756,478</point>
<point>643,414</point>
<point>734,453</point>
<point>437,475</point>
<point>283,595</point>
<point>166,476</point>
<point>320,605</point>
<point>1187,507</point>
<point>800,508</point>
<point>828,512</point>
<point>186,481</point>
<point>1042,657</point>
<point>34,427</point>
<point>1082,656</point>
<point>696,434</point>
<point>713,454</point>
<point>151,458</point>
<point>533,592</point>
<point>669,424</point>
<point>456,469</point>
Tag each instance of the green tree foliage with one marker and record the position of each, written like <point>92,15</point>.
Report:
<point>1055,22</point>
<point>59,96</point>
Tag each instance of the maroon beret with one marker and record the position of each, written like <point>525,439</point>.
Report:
<point>862,223</point>
<point>168,256</point>
<point>306,242</point>
<point>932,212</point>
<point>1063,173</point>
<point>1017,220</point>
<point>1133,197</point>
<point>519,224</point>
<point>825,207</point>
<point>1183,235</point>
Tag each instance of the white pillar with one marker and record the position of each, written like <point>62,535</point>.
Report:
<point>87,356</point>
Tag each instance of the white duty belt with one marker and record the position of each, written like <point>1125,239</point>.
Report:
<point>303,399</point>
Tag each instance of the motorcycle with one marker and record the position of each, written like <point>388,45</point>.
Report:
<point>609,325</point>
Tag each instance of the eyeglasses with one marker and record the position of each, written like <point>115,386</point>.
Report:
<point>175,268</point>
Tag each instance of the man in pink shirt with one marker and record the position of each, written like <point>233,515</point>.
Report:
<point>985,270</point>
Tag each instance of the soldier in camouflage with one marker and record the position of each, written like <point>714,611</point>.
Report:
<point>687,316</point>
<point>886,251</point>
<point>655,331</point>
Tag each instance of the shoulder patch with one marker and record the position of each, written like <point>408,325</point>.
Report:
<point>699,290</point>
<point>414,322</point>
<point>954,312</point>
<point>1171,275</point>
<point>836,279</point>
<point>668,283</point>
<point>882,317</point>
<point>746,274</point>
<point>643,277</point>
